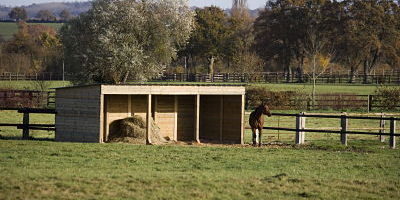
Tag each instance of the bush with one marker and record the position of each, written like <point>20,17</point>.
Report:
<point>274,99</point>
<point>388,98</point>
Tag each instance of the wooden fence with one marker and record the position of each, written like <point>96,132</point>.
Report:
<point>44,76</point>
<point>301,129</point>
<point>335,102</point>
<point>388,77</point>
<point>23,98</point>
<point>342,77</point>
<point>26,126</point>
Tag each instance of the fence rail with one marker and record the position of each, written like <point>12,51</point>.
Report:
<point>332,101</point>
<point>344,129</point>
<point>384,77</point>
<point>340,77</point>
<point>23,98</point>
<point>25,126</point>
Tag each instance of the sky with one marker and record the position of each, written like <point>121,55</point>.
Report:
<point>253,4</point>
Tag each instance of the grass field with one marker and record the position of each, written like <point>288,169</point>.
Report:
<point>7,29</point>
<point>325,89</point>
<point>321,169</point>
<point>305,88</point>
<point>49,170</point>
<point>32,85</point>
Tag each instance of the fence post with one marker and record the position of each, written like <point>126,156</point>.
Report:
<point>369,103</point>
<point>382,128</point>
<point>25,126</point>
<point>344,122</point>
<point>300,124</point>
<point>392,141</point>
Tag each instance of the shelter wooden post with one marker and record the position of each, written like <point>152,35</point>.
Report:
<point>382,124</point>
<point>344,122</point>
<point>221,117</point>
<point>25,128</point>
<point>300,124</point>
<point>148,120</point>
<point>197,127</point>
<point>129,106</point>
<point>392,141</point>
<point>242,120</point>
<point>176,118</point>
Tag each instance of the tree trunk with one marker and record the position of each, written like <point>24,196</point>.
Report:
<point>314,78</point>
<point>300,74</point>
<point>288,73</point>
<point>211,61</point>
<point>125,77</point>
<point>366,72</point>
<point>352,74</point>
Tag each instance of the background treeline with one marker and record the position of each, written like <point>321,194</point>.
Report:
<point>297,36</point>
<point>33,49</point>
<point>306,37</point>
<point>74,8</point>
<point>19,13</point>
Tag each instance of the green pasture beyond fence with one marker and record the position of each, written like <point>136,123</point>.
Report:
<point>343,102</point>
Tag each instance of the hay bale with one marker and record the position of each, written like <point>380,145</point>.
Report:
<point>133,130</point>
<point>127,130</point>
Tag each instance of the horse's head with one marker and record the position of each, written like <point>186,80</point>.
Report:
<point>265,109</point>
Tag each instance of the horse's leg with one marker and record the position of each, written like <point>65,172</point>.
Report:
<point>260,136</point>
<point>254,136</point>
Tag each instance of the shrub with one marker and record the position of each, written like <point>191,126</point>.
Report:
<point>388,98</point>
<point>274,99</point>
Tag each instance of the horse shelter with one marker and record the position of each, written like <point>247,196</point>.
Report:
<point>199,113</point>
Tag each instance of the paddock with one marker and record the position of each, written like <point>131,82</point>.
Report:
<point>195,113</point>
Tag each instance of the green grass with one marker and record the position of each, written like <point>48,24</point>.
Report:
<point>49,170</point>
<point>32,85</point>
<point>322,169</point>
<point>326,88</point>
<point>304,88</point>
<point>7,29</point>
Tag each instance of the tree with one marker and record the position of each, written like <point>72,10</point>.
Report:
<point>38,44</point>
<point>115,40</point>
<point>18,14</point>
<point>279,30</point>
<point>240,41</point>
<point>65,15</point>
<point>46,15</point>
<point>209,37</point>
<point>377,28</point>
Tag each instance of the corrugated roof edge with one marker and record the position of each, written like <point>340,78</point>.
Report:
<point>158,84</point>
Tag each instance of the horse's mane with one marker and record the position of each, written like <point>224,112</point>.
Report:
<point>258,111</point>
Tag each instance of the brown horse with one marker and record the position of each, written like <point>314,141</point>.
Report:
<point>256,122</point>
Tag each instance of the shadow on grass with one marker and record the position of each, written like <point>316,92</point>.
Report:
<point>30,138</point>
<point>359,146</point>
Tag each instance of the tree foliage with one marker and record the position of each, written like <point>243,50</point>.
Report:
<point>223,40</point>
<point>46,15</point>
<point>34,48</point>
<point>208,39</point>
<point>18,13</point>
<point>360,33</point>
<point>65,15</point>
<point>117,39</point>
